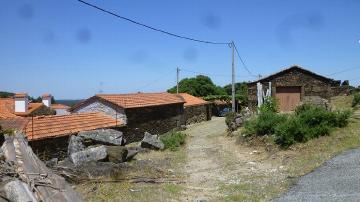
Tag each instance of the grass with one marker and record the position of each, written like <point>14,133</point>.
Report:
<point>129,192</point>
<point>153,164</point>
<point>173,140</point>
<point>298,160</point>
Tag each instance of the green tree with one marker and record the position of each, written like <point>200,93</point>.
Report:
<point>199,86</point>
<point>241,92</point>
<point>4,94</point>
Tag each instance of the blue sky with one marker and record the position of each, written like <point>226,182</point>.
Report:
<point>72,51</point>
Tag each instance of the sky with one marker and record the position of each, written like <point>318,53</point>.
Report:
<point>74,51</point>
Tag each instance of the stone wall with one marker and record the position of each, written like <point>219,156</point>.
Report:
<point>311,85</point>
<point>111,110</point>
<point>155,120</point>
<point>51,148</point>
<point>197,113</point>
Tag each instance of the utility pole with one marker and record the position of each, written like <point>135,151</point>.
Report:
<point>177,79</point>
<point>233,77</point>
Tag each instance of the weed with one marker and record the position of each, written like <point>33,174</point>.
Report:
<point>173,140</point>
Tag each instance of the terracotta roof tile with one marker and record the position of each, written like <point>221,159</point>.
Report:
<point>59,106</point>
<point>192,100</point>
<point>137,100</point>
<point>7,108</point>
<point>31,107</point>
<point>20,95</point>
<point>17,123</point>
<point>43,127</point>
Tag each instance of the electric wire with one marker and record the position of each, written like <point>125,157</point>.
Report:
<point>150,27</point>
<point>242,61</point>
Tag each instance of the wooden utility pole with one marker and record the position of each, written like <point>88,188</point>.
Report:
<point>233,78</point>
<point>177,79</point>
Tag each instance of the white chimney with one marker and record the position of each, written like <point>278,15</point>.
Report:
<point>46,100</point>
<point>21,102</point>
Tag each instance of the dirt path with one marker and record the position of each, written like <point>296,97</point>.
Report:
<point>215,163</point>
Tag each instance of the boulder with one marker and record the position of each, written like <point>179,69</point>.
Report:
<point>89,154</point>
<point>117,154</point>
<point>132,151</point>
<point>75,145</point>
<point>152,142</point>
<point>102,136</point>
<point>18,191</point>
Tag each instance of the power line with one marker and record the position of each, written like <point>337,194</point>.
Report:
<point>345,70</point>
<point>152,28</point>
<point>242,61</point>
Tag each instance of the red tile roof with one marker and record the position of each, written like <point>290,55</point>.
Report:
<point>7,108</point>
<point>59,106</point>
<point>136,100</point>
<point>17,123</point>
<point>20,95</point>
<point>43,127</point>
<point>192,100</point>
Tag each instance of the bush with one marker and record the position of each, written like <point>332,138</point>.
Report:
<point>308,122</point>
<point>229,118</point>
<point>173,140</point>
<point>263,124</point>
<point>270,105</point>
<point>356,99</point>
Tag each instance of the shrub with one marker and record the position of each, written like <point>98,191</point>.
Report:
<point>263,124</point>
<point>270,105</point>
<point>356,99</point>
<point>308,122</point>
<point>173,140</point>
<point>229,118</point>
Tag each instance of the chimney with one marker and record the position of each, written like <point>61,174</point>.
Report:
<point>46,99</point>
<point>21,102</point>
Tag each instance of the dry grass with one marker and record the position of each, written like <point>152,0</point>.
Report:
<point>275,171</point>
<point>292,163</point>
<point>153,164</point>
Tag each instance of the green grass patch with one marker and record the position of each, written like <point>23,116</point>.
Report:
<point>172,188</point>
<point>173,140</point>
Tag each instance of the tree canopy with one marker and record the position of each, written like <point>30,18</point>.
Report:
<point>199,86</point>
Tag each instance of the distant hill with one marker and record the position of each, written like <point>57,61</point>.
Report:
<point>4,94</point>
<point>68,102</point>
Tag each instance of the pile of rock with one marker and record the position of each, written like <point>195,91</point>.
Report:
<point>105,145</point>
<point>239,119</point>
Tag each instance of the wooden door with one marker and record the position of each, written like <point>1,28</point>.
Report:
<point>288,97</point>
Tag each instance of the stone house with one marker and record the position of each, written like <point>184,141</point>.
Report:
<point>294,84</point>
<point>49,135</point>
<point>195,109</point>
<point>156,113</point>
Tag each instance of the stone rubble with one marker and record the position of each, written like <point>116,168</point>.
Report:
<point>152,142</point>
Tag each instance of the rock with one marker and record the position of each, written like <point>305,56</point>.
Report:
<point>75,145</point>
<point>151,142</point>
<point>103,136</point>
<point>18,191</point>
<point>117,154</point>
<point>90,154</point>
<point>52,162</point>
